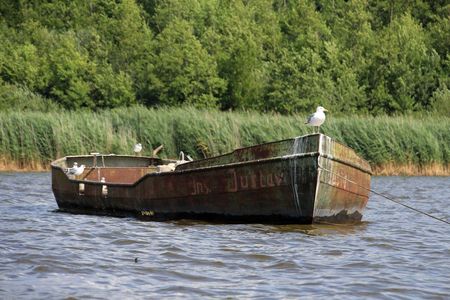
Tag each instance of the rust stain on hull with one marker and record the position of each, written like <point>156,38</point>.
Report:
<point>302,180</point>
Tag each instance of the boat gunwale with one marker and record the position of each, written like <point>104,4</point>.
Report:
<point>52,164</point>
<point>279,141</point>
<point>236,164</point>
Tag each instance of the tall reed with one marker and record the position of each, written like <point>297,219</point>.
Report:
<point>31,139</point>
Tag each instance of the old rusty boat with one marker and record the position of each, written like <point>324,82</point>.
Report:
<point>302,180</point>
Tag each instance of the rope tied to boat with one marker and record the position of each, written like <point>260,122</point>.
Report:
<point>386,197</point>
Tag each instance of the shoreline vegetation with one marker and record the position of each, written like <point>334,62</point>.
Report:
<point>400,145</point>
<point>76,76</point>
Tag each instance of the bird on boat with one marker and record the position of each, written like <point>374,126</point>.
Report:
<point>75,170</point>
<point>71,171</point>
<point>79,170</point>
<point>317,118</point>
<point>172,166</point>
<point>182,160</point>
<point>137,148</point>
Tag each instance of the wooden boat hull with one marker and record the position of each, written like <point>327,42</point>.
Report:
<point>292,181</point>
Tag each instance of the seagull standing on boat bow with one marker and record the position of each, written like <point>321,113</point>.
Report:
<point>317,118</point>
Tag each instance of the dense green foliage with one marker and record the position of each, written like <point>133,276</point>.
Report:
<point>287,56</point>
<point>35,138</point>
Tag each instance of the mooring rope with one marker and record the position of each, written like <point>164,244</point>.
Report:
<point>386,197</point>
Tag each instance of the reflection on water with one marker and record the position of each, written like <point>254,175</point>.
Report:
<point>322,229</point>
<point>393,253</point>
<point>312,229</point>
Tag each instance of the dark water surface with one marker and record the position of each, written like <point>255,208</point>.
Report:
<point>394,253</point>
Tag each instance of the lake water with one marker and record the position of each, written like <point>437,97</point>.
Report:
<point>393,253</point>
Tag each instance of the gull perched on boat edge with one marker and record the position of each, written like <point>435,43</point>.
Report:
<point>182,160</point>
<point>137,148</point>
<point>79,170</point>
<point>76,170</point>
<point>317,118</point>
<point>71,171</point>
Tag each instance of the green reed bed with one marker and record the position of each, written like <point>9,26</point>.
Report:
<point>30,140</point>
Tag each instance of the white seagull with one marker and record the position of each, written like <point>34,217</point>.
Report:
<point>137,148</point>
<point>71,171</point>
<point>76,170</point>
<point>182,160</point>
<point>79,170</point>
<point>317,118</point>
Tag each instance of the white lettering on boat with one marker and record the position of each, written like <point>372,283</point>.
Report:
<point>237,182</point>
<point>147,213</point>
<point>255,180</point>
<point>200,188</point>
